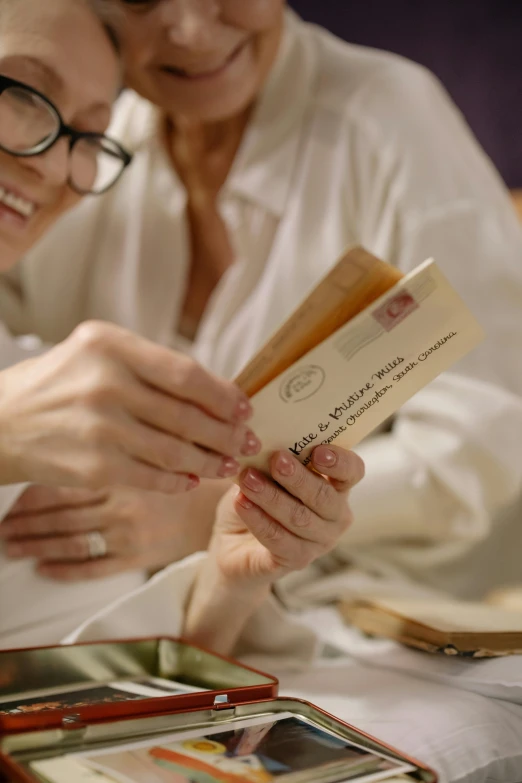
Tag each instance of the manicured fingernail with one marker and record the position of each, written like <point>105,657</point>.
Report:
<point>243,409</point>
<point>325,457</point>
<point>192,482</point>
<point>229,467</point>
<point>253,480</point>
<point>251,445</point>
<point>285,465</point>
<point>244,502</point>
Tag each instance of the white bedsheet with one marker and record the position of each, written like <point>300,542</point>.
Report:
<point>465,737</point>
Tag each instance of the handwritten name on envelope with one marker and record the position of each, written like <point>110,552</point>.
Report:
<point>345,387</point>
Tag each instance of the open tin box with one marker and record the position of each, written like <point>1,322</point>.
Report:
<point>97,700</point>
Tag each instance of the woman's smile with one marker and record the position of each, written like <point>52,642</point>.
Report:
<point>16,209</point>
<point>209,70</point>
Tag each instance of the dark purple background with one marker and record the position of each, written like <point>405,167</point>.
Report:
<point>474,47</point>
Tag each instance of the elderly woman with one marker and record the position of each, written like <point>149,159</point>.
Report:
<point>263,147</point>
<point>104,407</point>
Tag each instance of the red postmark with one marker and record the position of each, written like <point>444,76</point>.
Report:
<point>395,310</point>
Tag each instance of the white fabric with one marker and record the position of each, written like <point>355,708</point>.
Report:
<point>466,737</point>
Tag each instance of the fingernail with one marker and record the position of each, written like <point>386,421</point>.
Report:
<point>244,502</point>
<point>324,457</point>
<point>251,445</point>
<point>193,482</point>
<point>229,467</point>
<point>243,409</point>
<point>285,465</point>
<point>253,480</point>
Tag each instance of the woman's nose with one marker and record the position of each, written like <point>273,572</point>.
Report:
<point>191,22</point>
<point>52,166</point>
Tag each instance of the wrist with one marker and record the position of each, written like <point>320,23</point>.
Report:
<point>219,607</point>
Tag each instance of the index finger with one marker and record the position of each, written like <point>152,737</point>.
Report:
<point>181,376</point>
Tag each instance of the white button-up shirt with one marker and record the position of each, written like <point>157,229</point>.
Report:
<point>347,146</point>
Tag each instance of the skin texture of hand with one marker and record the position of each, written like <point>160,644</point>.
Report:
<point>107,407</point>
<point>271,526</point>
<point>142,530</point>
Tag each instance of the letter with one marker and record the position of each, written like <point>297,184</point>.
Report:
<point>388,368</point>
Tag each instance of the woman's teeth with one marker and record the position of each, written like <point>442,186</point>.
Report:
<point>17,203</point>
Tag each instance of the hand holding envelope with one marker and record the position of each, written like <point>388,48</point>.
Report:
<point>362,343</point>
<point>271,526</point>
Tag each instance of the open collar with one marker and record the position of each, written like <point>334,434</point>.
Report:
<point>264,166</point>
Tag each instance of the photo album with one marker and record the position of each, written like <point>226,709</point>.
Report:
<point>286,749</point>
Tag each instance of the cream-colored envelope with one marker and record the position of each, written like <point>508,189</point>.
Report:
<point>362,343</point>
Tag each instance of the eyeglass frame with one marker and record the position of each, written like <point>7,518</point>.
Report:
<point>63,131</point>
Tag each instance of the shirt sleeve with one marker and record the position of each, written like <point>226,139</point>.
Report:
<point>157,609</point>
<point>453,457</point>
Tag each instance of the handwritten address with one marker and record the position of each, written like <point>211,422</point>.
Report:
<point>355,405</point>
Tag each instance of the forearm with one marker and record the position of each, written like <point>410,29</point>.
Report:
<point>217,611</point>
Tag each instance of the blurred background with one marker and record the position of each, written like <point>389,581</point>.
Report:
<point>474,47</point>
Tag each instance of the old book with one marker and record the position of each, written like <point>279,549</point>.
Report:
<point>363,342</point>
<point>448,626</point>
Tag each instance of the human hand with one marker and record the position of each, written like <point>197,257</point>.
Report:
<point>271,526</point>
<point>280,524</point>
<point>107,407</point>
<point>133,529</point>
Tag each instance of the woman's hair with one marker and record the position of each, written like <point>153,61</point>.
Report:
<point>105,10</point>
<point>108,14</point>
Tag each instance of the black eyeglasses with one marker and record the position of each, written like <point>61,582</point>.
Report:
<point>30,125</point>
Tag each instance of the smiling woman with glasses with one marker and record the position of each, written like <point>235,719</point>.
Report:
<point>30,124</point>
<point>104,407</point>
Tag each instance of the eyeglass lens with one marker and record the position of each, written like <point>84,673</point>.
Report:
<point>27,122</point>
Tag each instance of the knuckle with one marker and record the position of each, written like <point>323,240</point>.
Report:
<point>189,373</point>
<point>272,532</point>
<point>103,386</point>
<point>94,335</point>
<point>273,496</point>
<point>301,516</point>
<point>169,458</point>
<point>210,466</point>
<point>323,494</point>
<point>99,431</point>
<point>95,473</point>
<point>167,483</point>
<point>353,468</point>
<point>301,478</point>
